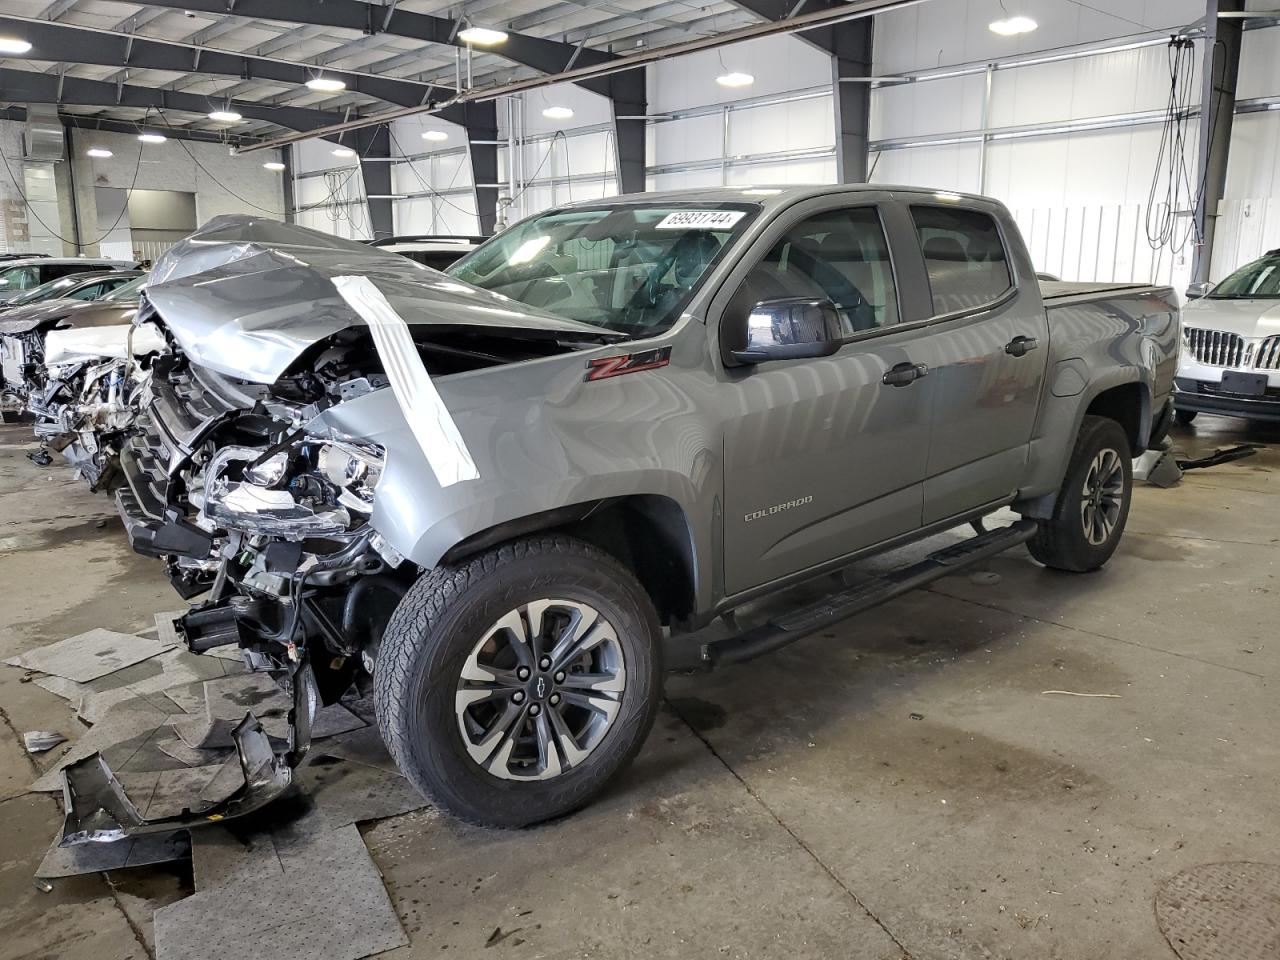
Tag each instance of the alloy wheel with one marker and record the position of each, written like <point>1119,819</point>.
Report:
<point>540,690</point>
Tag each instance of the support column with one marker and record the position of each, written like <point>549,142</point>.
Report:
<point>851,53</point>
<point>1220,71</point>
<point>482,144</point>
<point>286,182</point>
<point>374,146</point>
<point>629,94</point>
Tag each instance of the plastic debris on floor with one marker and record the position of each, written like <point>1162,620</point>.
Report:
<point>161,718</point>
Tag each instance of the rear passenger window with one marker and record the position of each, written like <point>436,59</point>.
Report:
<point>841,256</point>
<point>965,257</point>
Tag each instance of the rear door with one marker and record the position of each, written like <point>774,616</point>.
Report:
<point>821,456</point>
<point>991,338</point>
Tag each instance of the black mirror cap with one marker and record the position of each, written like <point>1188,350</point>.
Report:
<point>790,328</point>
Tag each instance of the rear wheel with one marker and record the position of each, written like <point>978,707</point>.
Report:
<point>510,688</point>
<point>1185,417</point>
<point>1093,504</point>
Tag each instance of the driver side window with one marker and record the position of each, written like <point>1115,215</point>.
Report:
<point>839,255</point>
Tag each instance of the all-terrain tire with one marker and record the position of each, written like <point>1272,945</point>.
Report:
<point>434,630</point>
<point>1063,541</point>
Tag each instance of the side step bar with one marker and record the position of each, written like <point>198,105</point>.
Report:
<point>797,624</point>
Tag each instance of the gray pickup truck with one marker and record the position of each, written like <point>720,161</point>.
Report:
<point>501,496</point>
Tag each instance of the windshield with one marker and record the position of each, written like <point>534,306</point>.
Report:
<point>1258,280</point>
<point>630,269</point>
<point>46,291</point>
<point>127,291</point>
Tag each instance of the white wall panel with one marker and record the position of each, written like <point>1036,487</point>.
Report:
<point>1127,81</point>
<point>949,32</point>
<point>796,125</point>
<point>947,167</point>
<point>780,64</point>
<point>688,140</point>
<point>917,109</point>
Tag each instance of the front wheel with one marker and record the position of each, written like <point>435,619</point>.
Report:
<point>512,686</point>
<point>1093,504</point>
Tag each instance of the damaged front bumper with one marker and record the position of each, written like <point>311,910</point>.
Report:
<point>99,811</point>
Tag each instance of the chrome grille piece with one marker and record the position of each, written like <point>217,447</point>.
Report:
<point>1267,356</point>
<point>1216,348</point>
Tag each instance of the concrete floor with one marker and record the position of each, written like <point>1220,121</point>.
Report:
<point>900,786</point>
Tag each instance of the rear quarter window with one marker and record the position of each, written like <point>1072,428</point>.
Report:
<point>965,257</point>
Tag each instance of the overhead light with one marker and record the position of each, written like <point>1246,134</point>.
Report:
<point>99,152</point>
<point>344,152</point>
<point>527,251</point>
<point>1012,26</point>
<point>224,116</point>
<point>735,80</point>
<point>13,45</point>
<point>326,84</point>
<point>434,135</point>
<point>152,137</point>
<point>274,165</point>
<point>481,36</point>
<point>557,113</point>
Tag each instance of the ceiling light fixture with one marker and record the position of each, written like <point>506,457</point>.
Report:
<point>344,152</point>
<point>99,152</point>
<point>152,137</point>
<point>1012,26</point>
<point>224,116</point>
<point>557,113</point>
<point>434,135</point>
<point>13,45</point>
<point>326,84</point>
<point>274,165</point>
<point>735,80</point>
<point>481,36</point>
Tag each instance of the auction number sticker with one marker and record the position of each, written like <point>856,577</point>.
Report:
<point>701,220</point>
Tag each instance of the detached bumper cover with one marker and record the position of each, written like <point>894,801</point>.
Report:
<point>99,811</point>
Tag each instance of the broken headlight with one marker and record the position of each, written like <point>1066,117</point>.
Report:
<point>311,489</point>
<point>353,470</point>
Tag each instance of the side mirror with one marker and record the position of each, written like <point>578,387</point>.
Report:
<point>1197,291</point>
<point>794,328</point>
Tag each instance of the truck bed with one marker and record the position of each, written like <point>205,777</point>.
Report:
<point>1057,292</point>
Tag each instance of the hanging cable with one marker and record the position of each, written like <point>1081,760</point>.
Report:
<point>1172,184</point>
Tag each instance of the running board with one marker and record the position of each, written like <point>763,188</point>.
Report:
<point>797,624</point>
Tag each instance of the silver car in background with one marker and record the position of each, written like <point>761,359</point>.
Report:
<point>1231,346</point>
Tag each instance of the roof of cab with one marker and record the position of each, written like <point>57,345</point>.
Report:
<point>781,195</point>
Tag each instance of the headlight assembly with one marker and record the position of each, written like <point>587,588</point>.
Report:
<point>353,470</point>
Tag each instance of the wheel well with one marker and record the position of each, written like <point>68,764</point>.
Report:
<point>1128,405</point>
<point>648,534</point>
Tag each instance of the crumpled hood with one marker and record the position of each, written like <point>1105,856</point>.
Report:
<point>245,296</point>
<point>1248,318</point>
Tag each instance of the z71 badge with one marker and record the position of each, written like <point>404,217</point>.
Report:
<point>602,368</point>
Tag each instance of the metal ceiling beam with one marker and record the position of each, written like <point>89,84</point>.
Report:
<point>545,56</point>
<point>59,42</point>
<point>79,122</point>
<point>20,86</point>
<point>374,146</point>
<point>855,9</point>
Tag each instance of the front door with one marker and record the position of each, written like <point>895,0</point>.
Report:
<point>822,457</point>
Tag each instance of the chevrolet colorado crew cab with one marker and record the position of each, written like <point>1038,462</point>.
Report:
<point>498,496</point>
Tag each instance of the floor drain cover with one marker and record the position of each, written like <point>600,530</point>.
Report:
<point>1222,911</point>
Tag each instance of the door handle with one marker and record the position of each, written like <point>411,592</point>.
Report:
<point>1021,346</point>
<point>904,374</point>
